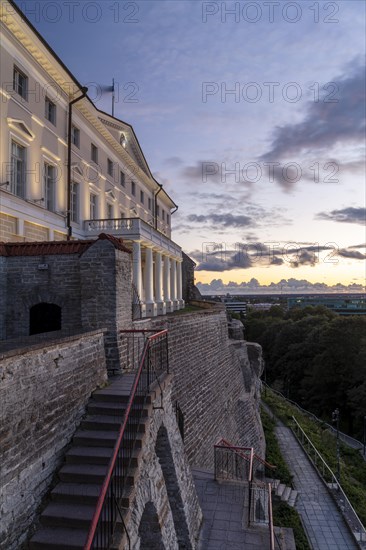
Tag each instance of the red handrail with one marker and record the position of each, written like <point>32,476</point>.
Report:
<point>112,462</point>
<point>223,443</point>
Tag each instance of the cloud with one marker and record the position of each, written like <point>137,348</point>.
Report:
<point>353,254</point>
<point>306,257</point>
<point>338,116</point>
<point>288,286</point>
<point>222,220</point>
<point>174,161</point>
<point>345,215</point>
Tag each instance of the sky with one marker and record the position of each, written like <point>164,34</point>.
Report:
<point>252,116</point>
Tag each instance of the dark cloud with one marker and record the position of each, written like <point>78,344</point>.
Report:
<point>335,118</point>
<point>305,257</point>
<point>353,254</point>
<point>345,215</point>
<point>224,261</point>
<point>222,220</point>
<point>202,172</point>
<point>276,261</point>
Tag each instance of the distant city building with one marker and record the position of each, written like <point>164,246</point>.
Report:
<point>265,306</point>
<point>342,306</point>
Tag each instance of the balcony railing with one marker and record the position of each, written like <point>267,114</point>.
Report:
<point>132,229</point>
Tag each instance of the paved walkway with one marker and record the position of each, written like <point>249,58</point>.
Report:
<point>222,506</point>
<point>323,522</point>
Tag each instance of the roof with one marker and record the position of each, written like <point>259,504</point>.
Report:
<point>50,248</point>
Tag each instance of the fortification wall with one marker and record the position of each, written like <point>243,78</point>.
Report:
<point>216,382</point>
<point>43,393</point>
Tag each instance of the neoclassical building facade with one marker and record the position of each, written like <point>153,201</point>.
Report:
<point>72,171</point>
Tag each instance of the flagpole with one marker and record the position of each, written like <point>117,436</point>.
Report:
<point>113,97</point>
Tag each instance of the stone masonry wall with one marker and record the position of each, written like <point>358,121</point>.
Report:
<point>106,295</point>
<point>27,285</point>
<point>215,383</point>
<point>43,393</point>
<point>165,482</point>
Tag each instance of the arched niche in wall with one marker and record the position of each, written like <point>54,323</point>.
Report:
<point>44,317</point>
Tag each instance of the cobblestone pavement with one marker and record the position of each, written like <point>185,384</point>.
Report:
<point>323,522</point>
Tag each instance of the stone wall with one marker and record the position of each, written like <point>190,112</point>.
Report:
<point>165,512</point>
<point>215,382</point>
<point>27,285</point>
<point>43,393</point>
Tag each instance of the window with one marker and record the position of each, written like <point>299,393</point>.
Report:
<point>110,167</point>
<point>20,83</point>
<point>163,214</point>
<point>167,219</point>
<point>74,205</point>
<point>18,166</point>
<point>149,203</point>
<point>93,207</point>
<point>133,188</point>
<point>142,197</point>
<point>157,210</point>
<point>110,215</point>
<point>50,111</point>
<point>49,186</point>
<point>122,178</point>
<point>122,214</point>
<point>94,153</point>
<point>75,136</point>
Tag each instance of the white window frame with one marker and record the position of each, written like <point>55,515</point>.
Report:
<point>93,206</point>
<point>75,202</point>
<point>50,110</point>
<point>49,186</point>
<point>75,136</point>
<point>17,187</point>
<point>17,86</point>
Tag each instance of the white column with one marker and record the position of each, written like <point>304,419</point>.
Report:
<point>161,308</point>
<point>166,283</point>
<point>173,283</point>
<point>179,285</point>
<point>149,284</point>
<point>136,267</point>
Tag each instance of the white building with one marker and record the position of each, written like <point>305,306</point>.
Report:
<point>70,170</point>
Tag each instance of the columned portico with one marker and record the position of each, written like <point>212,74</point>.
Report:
<point>160,304</point>
<point>167,300</point>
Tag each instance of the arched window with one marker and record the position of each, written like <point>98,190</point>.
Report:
<point>44,317</point>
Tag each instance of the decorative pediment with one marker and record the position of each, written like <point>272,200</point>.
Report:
<point>76,169</point>
<point>111,195</point>
<point>21,127</point>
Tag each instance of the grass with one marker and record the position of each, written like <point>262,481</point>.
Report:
<point>352,465</point>
<point>273,453</point>
<point>283,514</point>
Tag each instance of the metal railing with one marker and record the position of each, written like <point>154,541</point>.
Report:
<point>153,362</point>
<point>232,462</point>
<point>347,439</point>
<point>349,513</point>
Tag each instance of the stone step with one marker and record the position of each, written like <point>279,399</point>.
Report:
<point>83,473</point>
<point>98,438</point>
<point>111,408</point>
<point>116,396</point>
<point>88,473</point>
<point>89,455</point>
<point>286,494</point>
<point>66,514</point>
<point>292,498</point>
<point>109,423</point>
<point>58,538</point>
<point>280,489</point>
<point>86,493</point>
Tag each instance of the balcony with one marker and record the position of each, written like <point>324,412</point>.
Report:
<point>133,229</point>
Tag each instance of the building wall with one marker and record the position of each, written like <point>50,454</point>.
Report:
<point>46,141</point>
<point>43,395</point>
<point>216,383</point>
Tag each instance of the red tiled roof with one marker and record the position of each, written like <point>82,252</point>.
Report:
<point>48,248</point>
